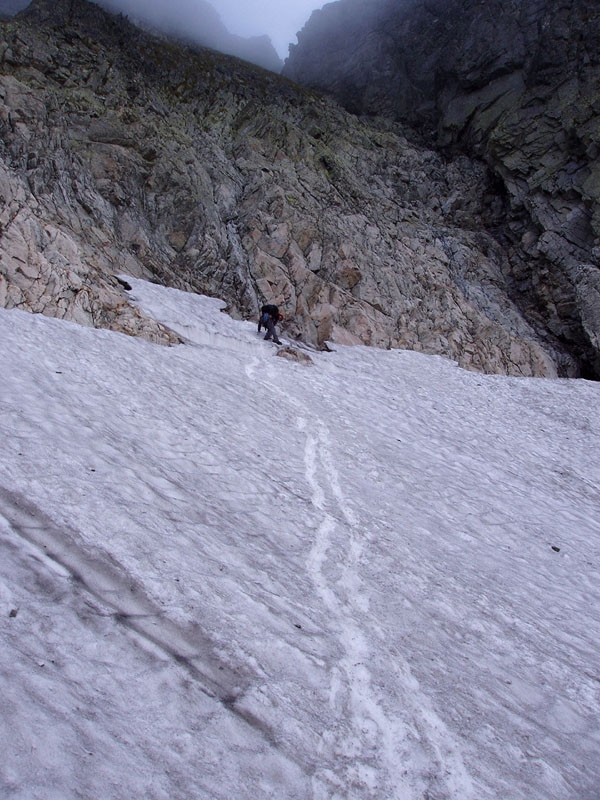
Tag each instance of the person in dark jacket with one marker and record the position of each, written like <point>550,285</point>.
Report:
<point>269,317</point>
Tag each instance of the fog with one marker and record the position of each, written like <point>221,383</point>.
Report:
<point>280,21</point>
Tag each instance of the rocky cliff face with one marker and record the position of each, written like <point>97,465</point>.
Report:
<point>515,82</point>
<point>120,153</point>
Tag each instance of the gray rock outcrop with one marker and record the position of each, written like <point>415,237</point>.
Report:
<point>124,154</point>
<point>514,82</point>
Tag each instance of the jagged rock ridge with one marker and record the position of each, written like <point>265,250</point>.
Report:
<point>196,22</point>
<point>122,153</point>
<point>516,82</point>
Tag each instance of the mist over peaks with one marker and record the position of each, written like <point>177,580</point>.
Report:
<point>193,21</point>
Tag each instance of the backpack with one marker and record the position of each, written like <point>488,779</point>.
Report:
<point>269,311</point>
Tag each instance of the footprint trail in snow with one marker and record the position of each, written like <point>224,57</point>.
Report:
<point>373,742</point>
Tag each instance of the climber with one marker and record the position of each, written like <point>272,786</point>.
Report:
<point>269,317</point>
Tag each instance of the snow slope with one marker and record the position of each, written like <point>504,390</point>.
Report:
<point>227,575</point>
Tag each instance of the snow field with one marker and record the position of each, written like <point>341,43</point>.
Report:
<point>234,576</point>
